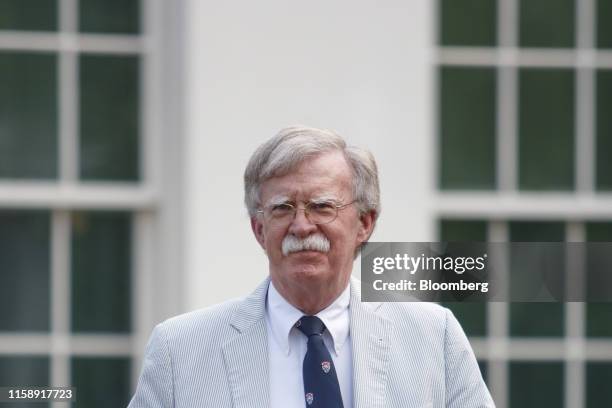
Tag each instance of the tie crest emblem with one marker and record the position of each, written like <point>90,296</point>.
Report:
<point>309,398</point>
<point>325,366</point>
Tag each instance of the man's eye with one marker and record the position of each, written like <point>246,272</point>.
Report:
<point>324,206</point>
<point>282,207</point>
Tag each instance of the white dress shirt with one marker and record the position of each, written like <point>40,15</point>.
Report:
<point>287,348</point>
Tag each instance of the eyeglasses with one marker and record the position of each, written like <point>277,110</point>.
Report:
<point>317,212</point>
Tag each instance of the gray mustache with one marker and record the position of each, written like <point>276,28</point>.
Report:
<point>315,242</point>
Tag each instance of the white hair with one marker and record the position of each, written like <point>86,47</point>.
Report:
<point>291,146</point>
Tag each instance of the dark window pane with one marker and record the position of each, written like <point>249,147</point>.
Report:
<point>109,16</point>
<point>28,116</point>
<point>468,22</point>
<point>536,385</point>
<point>483,370</point>
<point>101,283</point>
<point>467,128</point>
<point>110,114</point>
<point>599,315</point>
<point>604,130</point>
<point>28,15</point>
<point>472,316</point>
<point>547,23</point>
<point>535,319</point>
<point>24,371</point>
<point>532,231</point>
<point>599,231</point>
<point>24,270</point>
<point>546,127</point>
<point>598,380</point>
<point>599,320</point>
<point>101,382</point>
<point>604,28</point>
<point>463,231</point>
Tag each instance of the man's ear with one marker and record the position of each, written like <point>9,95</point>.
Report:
<point>366,227</point>
<point>258,231</point>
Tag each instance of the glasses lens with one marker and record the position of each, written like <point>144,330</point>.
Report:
<point>322,212</point>
<point>280,212</point>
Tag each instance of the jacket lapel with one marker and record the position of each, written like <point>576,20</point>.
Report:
<point>370,336</point>
<point>246,354</point>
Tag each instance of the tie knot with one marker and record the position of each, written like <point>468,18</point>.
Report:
<point>310,325</point>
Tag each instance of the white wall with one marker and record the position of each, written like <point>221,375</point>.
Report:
<point>360,67</point>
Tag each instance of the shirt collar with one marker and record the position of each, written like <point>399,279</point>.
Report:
<point>282,316</point>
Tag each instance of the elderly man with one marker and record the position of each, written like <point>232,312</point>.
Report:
<point>304,338</point>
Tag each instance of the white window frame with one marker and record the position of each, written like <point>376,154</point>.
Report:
<point>155,202</point>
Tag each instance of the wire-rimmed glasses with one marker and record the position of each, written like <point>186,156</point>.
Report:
<point>317,212</point>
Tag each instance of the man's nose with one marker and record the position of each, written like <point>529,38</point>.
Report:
<point>301,226</point>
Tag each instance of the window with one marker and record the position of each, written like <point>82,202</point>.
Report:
<point>84,206</point>
<point>524,91</point>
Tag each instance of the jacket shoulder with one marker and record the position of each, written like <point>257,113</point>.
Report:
<point>418,310</point>
<point>425,318</point>
<point>193,325</point>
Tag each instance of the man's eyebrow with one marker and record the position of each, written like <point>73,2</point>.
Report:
<point>279,199</point>
<point>282,199</point>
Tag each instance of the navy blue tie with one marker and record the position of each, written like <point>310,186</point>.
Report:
<point>321,386</point>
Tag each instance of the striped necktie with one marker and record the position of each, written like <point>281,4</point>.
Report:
<point>321,386</point>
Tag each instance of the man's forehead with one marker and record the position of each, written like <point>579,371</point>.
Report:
<point>327,173</point>
<point>280,190</point>
<point>317,163</point>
